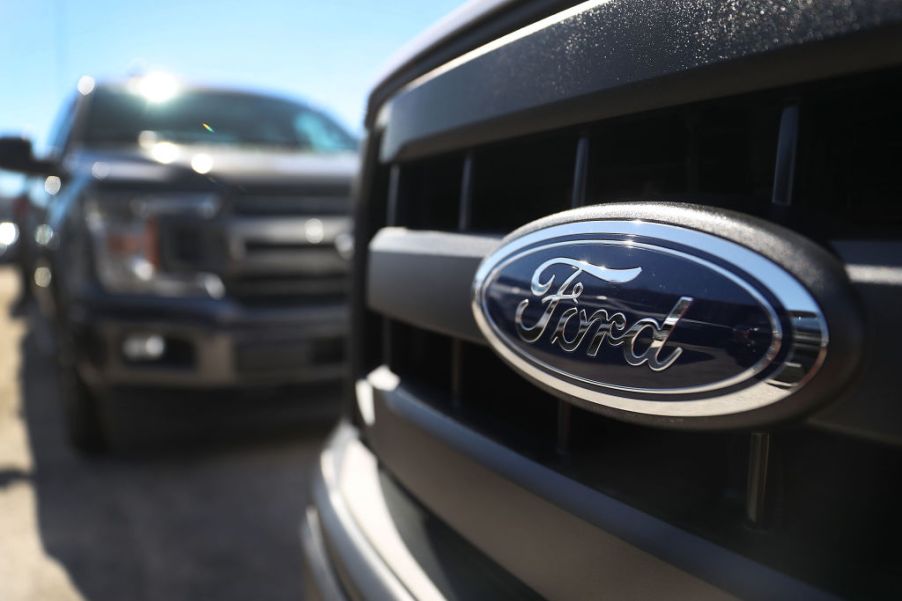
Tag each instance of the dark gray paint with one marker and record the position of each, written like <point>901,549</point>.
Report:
<point>426,278</point>
<point>870,406</point>
<point>599,62</point>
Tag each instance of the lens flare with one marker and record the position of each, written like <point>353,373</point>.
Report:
<point>202,163</point>
<point>155,87</point>
<point>85,85</point>
<point>164,152</point>
<point>52,185</point>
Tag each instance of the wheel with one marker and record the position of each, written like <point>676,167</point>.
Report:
<point>84,428</point>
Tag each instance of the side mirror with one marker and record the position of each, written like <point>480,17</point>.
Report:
<point>16,154</point>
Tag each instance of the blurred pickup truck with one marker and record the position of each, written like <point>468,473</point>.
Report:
<point>188,238</point>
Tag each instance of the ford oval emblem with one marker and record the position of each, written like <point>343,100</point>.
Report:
<point>649,318</point>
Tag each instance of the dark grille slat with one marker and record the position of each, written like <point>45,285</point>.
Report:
<point>291,285</point>
<point>291,204</point>
<point>514,184</point>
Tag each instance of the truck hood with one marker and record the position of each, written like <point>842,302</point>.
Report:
<point>165,163</point>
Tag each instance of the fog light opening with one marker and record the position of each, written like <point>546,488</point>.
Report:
<point>144,347</point>
<point>42,277</point>
<point>9,233</point>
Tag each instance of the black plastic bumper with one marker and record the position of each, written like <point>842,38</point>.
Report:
<point>209,344</point>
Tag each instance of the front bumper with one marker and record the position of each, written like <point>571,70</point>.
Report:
<point>348,532</point>
<point>364,537</point>
<point>359,544</point>
<point>513,530</point>
<point>209,344</point>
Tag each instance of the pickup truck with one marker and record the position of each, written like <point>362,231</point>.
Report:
<point>626,310</point>
<point>185,240</point>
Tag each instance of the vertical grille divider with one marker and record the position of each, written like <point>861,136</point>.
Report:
<point>466,194</point>
<point>463,224</point>
<point>394,187</point>
<point>391,219</point>
<point>758,494</point>
<point>692,154</point>
<point>578,199</point>
<point>787,144</point>
<point>456,373</point>
<point>759,476</point>
<point>580,172</point>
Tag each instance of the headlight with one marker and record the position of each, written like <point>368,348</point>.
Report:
<point>125,233</point>
<point>9,233</point>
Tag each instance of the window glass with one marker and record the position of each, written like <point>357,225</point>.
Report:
<point>319,132</point>
<point>119,116</point>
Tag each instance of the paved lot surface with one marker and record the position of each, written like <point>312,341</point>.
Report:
<point>193,508</point>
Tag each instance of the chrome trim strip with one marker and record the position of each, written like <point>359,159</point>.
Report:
<point>519,34</point>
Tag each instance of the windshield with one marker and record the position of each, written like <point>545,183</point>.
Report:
<point>211,117</point>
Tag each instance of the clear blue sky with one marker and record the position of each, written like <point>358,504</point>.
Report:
<point>327,52</point>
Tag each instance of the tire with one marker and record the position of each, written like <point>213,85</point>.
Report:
<point>84,427</point>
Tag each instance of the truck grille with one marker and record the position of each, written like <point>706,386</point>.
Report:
<point>828,515</point>
<point>269,249</point>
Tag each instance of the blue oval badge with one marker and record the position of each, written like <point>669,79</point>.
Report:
<point>649,318</point>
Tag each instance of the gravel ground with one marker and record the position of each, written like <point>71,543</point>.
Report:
<point>203,504</point>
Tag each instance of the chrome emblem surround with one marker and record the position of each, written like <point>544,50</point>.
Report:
<point>798,340</point>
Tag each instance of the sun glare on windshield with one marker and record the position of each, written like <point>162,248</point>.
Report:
<point>155,87</point>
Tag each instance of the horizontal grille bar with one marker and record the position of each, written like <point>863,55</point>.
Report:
<point>286,261</point>
<point>294,205</point>
<point>289,230</point>
<point>287,290</point>
<point>425,278</point>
